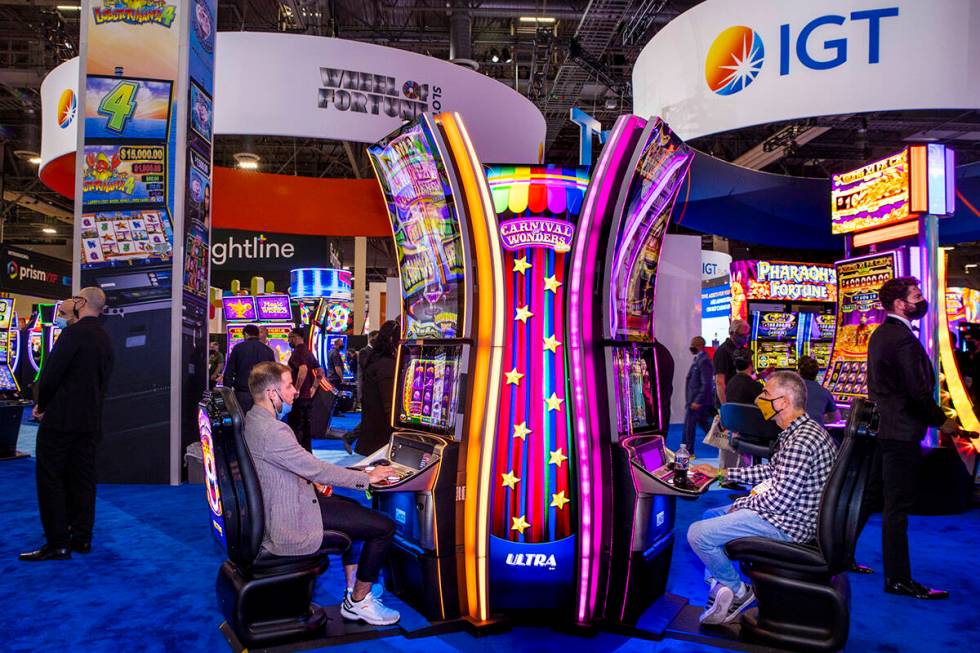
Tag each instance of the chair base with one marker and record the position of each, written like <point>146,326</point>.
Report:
<point>798,613</point>
<point>268,609</point>
<point>334,630</point>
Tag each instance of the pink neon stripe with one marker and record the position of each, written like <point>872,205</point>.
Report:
<point>583,369</point>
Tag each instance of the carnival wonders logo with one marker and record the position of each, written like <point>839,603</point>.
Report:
<point>734,60</point>
<point>363,92</point>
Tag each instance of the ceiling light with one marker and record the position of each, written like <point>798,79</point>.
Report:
<point>69,7</point>
<point>494,56</point>
<point>28,155</point>
<point>611,103</point>
<point>49,230</point>
<point>540,20</point>
<point>247,160</point>
<point>506,56</point>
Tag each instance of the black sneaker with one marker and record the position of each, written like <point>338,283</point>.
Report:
<point>741,603</point>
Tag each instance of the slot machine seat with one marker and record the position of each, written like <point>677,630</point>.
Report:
<point>753,435</point>
<point>803,592</point>
<point>264,598</point>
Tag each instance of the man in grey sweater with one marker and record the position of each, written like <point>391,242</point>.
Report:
<point>295,485</point>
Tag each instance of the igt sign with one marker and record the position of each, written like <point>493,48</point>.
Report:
<point>836,48</point>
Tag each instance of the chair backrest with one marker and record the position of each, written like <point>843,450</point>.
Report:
<point>747,420</point>
<point>241,494</point>
<point>839,519</point>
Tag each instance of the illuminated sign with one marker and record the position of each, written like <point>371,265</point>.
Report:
<point>239,308</point>
<point>917,180</point>
<point>537,232</point>
<point>273,307</point>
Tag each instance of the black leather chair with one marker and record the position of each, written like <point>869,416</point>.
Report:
<point>753,434</point>
<point>803,592</point>
<point>264,598</point>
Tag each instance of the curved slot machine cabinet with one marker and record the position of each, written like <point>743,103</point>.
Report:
<point>616,369</point>
<point>439,209</point>
<point>12,402</point>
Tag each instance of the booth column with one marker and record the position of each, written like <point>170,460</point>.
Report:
<point>360,282</point>
<point>142,221</point>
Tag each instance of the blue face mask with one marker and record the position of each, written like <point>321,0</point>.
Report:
<point>60,321</point>
<point>284,408</point>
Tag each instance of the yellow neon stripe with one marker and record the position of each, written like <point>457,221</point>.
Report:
<point>488,341</point>
<point>954,382</point>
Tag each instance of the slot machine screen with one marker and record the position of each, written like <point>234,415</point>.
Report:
<point>428,241</point>
<point>410,453</point>
<point>637,395</point>
<point>428,387</point>
<point>651,454</point>
<point>776,355</point>
<point>7,382</point>
<point>6,313</point>
<point>777,326</point>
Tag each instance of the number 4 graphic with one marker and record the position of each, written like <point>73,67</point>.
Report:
<point>119,105</point>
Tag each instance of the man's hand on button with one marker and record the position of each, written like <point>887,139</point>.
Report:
<point>381,473</point>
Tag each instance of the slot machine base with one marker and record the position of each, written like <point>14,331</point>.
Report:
<point>336,631</point>
<point>409,573</point>
<point>10,418</point>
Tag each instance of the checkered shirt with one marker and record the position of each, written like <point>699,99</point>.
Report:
<point>797,471</point>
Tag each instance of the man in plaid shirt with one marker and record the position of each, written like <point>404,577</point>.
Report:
<point>783,504</point>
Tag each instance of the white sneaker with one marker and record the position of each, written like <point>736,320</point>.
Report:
<point>369,610</point>
<point>716,611</point>
<point>377,590</point>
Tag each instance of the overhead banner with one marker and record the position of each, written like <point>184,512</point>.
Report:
<point>29,273</point>
<point>726,65</point>
<point>312,87</point>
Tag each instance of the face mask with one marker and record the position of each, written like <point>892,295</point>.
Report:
<point>694,350</point>
<point>766,406</point>
<point>283,409</point>
<point>740,340</point>
<point>920,310</point>
<point>60,321</point>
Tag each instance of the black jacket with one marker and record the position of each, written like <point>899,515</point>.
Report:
<point>379,383</point>
<point>74,378</point>
<point>242,359</point>
<point>901,380</point>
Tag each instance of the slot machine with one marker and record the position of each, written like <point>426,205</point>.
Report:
<point>618,412</point>
<point>270,311</point>
<point>786,303</point>
<point>441,220</point>
<point>12,402</point>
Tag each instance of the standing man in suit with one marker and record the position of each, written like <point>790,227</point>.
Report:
<point>241,360</point>
<point>697,394</point>
<point>71,390</point>
<point>901,381</point>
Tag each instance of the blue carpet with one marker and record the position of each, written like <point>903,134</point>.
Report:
<point>148,585</point>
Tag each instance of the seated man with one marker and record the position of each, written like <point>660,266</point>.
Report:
<point>295,516</point>
<point>783,505</point>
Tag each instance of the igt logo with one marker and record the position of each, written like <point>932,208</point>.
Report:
<point>734,60</point>
<point>736,56</point>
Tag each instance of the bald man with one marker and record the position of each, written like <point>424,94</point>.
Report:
<point>71,390</point>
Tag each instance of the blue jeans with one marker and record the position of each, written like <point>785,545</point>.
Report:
<point>709,536</point>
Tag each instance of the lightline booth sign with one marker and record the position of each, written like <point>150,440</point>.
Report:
<point>142,219</point>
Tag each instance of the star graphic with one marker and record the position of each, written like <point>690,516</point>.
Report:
<point>509,480</point>
<point>513,377</point>
<point>521,264</point>
<point>556,457</point>
<point>554,403</point>
<point>558,500</point>
<point>519,524</point>
<point>552,284</point>
<point>551,343</point>
<point>521,431</point>
<point>523,314</point>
